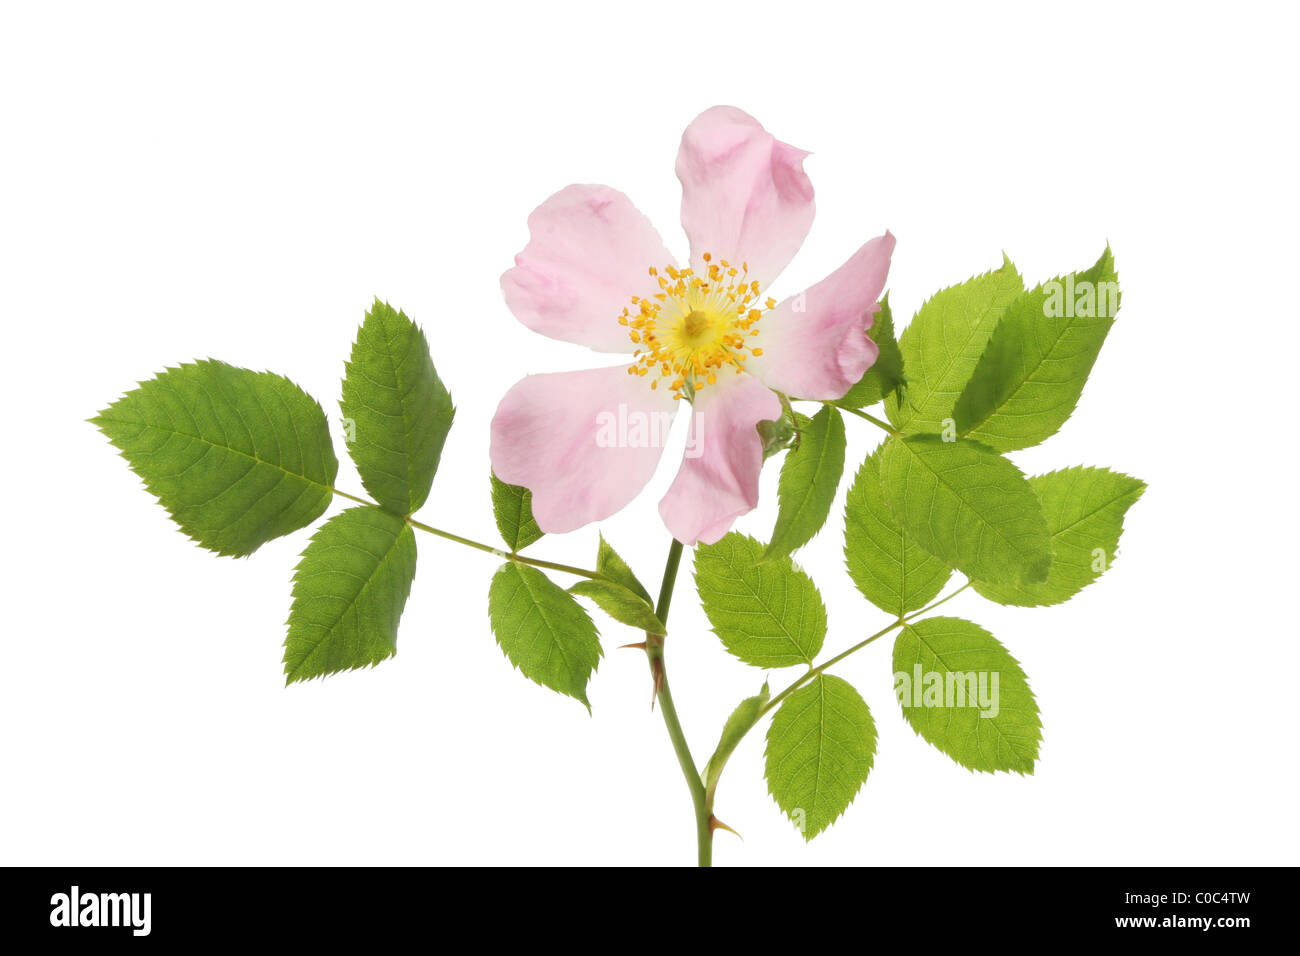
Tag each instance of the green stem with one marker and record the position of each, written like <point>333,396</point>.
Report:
<point>659,673</point>
<point>871,418</point>
<point>821,668</point>
<point>344,494</point>
<point>480,546</point>
<point>670,578</point>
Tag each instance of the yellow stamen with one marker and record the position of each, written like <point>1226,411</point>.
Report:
<point>695,325</point>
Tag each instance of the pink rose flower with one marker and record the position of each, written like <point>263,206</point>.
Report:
<point>595,272</point>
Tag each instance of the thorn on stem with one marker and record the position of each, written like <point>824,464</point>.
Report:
<point>639,647</point>
<point>715,825</point>
<point>657,673</point>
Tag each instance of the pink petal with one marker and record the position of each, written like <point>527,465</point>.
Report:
<point>718,480</point>
<point>585,443</point>
<point>589,252</point>
<point>745,197</point>
<point>815,344</point>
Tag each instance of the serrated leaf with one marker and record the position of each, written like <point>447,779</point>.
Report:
<point>977,707</point>
<point>820,747</point>
<point>399,410</point>
<point>236,457</point>
<point>943,343</point>
<point>626,607</point>
<point>740,722</point>
<point>1029,379</point>
<point>1085,509</point>
<point>887,373</point>
<point>512,506</point>
<point>968,506</point>
<point>619,594</point>
<point>543,630</point>
<point>768,614</point>
<point>349,591</point>
<point>617,570</point>
<point>891,570</point>
<point>810,476</point>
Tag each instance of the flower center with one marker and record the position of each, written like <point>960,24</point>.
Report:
<point>695,325</point>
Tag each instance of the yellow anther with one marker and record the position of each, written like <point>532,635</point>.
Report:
<point>695,325</point>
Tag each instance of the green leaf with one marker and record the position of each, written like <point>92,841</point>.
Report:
<point>891,570</point>
<point>616,569</point>
<point>886,374</point>
<point>968,506</point>
<point>543,630</point>
<point>943,343</point>
<point>810,476</point>
<point>820,746</point>
<point>624,606</point>
<point>349,590</point>
<point>1029,379</point>
<point>1085,510</point>
<point>236,457</point>
<point>962,692</point>
<point>512,506</point>
<point>742,721</point>
<point>620,594</point>
<point>767,614</point>
<point>398,409</point>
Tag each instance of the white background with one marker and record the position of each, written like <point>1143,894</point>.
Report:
<point>239,181</point>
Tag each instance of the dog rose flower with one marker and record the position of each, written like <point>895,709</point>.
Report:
<point>595,272</point>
